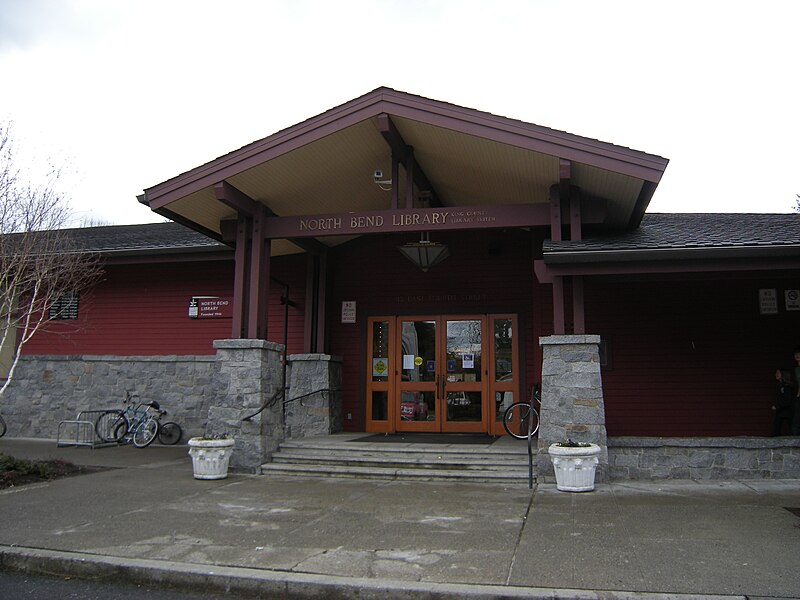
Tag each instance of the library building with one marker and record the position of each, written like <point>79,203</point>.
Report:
<point>405,268</point>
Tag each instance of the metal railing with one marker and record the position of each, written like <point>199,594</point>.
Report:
<point>274,399</point>
<point>80,431</point>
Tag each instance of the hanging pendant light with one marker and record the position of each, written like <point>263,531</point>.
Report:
<point>425,253</point>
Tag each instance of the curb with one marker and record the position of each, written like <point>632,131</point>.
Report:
<point>284,584</point>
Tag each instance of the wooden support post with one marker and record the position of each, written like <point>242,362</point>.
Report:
<point>316,273</point>
<point>309,337</point>
<point>411,166</point>
<point>559,327</point>
<point>322,280</point>
<point>555,214</point>
<point>578,313</point>
<point>258,305</point>
<point>415,176</point>
<point>240,277</point>
<point>395,182</point>
<point>575,227</point>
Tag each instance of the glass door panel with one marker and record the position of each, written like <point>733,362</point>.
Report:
<point>418,384</point>
<point>437,373</point>
<point>380,377</point>
<point>463,381</point>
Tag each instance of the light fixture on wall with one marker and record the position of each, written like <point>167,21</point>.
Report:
<point>425,253</point>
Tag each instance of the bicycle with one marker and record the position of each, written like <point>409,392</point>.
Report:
<point>521,419</point>
<point>140,424</point>
<point>2,426</point>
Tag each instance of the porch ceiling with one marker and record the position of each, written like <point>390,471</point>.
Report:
<point>325,165</point>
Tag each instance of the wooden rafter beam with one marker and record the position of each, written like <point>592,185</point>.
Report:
<point>238,200</point>
<point>405,155</point>
<point>246,206</point>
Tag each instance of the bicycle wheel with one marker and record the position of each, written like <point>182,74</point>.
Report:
<point>144,433</point>
<point>518,418</point>
<point>170,433</point>
<point>2,426</point>
<point>121,431</point>
<point>111,426</point>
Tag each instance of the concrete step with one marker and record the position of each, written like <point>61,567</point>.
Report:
<point>399,460</point>
<point>325,457</point>
<point>514,476</point>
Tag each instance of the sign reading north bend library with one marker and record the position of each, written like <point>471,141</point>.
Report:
<point>413,219</point>
<point>210,307</point>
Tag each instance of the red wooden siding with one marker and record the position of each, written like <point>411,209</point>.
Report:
<point>691,357</point>
<point>487,272</point>
<point>142,310</point>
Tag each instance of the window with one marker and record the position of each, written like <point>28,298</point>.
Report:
<point>65,306</point>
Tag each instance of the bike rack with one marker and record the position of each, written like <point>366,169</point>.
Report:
<point>80,431</point>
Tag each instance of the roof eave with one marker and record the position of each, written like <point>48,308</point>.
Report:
<point>565,145</point>
<point>669,254</point>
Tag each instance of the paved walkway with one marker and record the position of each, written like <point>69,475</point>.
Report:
<point>147,519</point>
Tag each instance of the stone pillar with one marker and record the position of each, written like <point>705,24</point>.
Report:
<point>319,412</point>
<point>572,399</point>
<point>248,374</point>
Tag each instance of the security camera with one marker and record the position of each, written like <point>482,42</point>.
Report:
<point>377,175</point>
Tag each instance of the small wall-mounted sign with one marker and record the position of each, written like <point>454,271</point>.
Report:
<point>792,299</point>
<point>349,311</point>
<point>768,302</point>
<point>210,307</point>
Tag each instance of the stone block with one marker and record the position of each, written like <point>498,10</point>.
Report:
<point>701,459</point>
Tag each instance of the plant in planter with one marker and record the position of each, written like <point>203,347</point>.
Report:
<point>575,464</point>
<point>211,455</point>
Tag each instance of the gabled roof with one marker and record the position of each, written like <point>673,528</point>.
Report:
<point>147,239</point>
<point>686,236</point>
<point>470,158</point>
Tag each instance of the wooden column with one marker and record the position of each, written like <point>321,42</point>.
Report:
<point>559,326</point>
<point>578,314</point>
<point>555,214</point>
<point>251,275</point>
<point>322,324</point>
<point>309,337</point>
<point>575,234</point>
<point>258,304</point>
<point>316,286</point>
<point>240,277</point>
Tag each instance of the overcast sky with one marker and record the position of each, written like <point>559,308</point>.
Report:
<point>126,94</point>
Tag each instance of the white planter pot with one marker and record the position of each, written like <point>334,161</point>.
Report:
<point>210,458</point>
<point>574,467</point>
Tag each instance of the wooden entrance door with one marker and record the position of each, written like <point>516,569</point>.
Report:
<point>440,373</point>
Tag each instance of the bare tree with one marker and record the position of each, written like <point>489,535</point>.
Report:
<point>42,271</point>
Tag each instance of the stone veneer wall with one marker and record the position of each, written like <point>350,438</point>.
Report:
<point>572,399</point>
<point>319,413</point>
<point>46,390</point>
<point>249,375</point>
<point>647,458</point>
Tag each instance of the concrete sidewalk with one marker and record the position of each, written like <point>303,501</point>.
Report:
<point>147,519</point>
